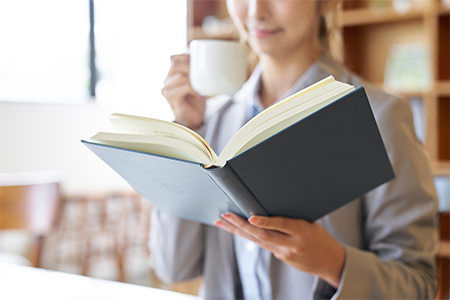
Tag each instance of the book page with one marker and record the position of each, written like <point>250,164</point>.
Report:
<point>298,102</point>
<point>282,106</point>
<point>297,113</point>
<point>154,127</point>
<point>306,90</point>
<point>153,144</point>
<point>290,117</point>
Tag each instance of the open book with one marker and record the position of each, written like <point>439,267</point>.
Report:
<point>177,141</point>
<point>303,157</point>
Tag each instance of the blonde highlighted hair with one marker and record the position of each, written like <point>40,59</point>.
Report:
<point>330,35</point>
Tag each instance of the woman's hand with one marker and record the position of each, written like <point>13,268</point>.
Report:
<point>305,246</point>
<point>187,105</point>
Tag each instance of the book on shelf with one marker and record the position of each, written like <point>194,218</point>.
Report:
<point>302,157</point>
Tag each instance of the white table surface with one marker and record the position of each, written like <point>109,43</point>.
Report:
<point>23,283</point>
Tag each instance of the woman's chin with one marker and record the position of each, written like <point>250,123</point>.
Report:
<point>263,46</point>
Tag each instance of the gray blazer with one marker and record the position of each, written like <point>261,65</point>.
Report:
<point>389,234</point>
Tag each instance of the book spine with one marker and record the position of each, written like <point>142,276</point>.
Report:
<point>236,190</point>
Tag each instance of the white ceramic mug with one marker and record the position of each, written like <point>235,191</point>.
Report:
<point>217,66</point>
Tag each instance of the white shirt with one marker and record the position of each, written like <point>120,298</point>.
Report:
<point>252,260</point>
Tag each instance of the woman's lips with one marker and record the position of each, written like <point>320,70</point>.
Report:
<point>259,33</point>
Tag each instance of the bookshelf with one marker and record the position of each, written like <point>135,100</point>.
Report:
<point>199,10</point>
<point>369,29</point>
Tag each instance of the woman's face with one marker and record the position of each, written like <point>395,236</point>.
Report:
<point>276,27</point>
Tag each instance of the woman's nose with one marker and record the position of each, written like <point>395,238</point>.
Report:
<point>259,9</point>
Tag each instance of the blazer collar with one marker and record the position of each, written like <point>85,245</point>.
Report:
<point>320,69</point>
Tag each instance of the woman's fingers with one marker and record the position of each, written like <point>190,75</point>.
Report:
<point>176,80</point>
<point>224,224</point>
<point>187,105</point>
<point>179,68</point>
<point>179,58</point>
<point>259,235</point>
<point>281,224</point>
<point>179,95</point>
<point>232,228</point>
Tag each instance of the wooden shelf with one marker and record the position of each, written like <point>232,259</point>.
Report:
<point>403,94</point>
<point>422,95</point>
<point>366,16</point>
<point>440,168</point>
<point>443,88</point>
<point>195,33</point>
<point>444,249</point>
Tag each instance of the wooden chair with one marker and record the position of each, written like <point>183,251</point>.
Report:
<point>31,202</point>
<point>111,226</point>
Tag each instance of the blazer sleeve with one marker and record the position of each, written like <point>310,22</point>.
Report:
<point>176,247</point>
<point>400,222</point>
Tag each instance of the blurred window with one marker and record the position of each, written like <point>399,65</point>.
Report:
<point>45,50</point>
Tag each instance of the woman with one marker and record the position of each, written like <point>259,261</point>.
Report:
<point>381,245</point>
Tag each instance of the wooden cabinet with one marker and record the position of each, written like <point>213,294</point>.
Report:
<point>371,28</point>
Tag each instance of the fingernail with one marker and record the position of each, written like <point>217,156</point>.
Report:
<point>254,220</point>
<point>218,223</point>
<point>226,216</point>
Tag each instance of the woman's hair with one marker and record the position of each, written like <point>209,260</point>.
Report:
<point>330,36</point>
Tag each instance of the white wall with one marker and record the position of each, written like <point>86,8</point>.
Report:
<point>134,42</point>
<point>36,137</point>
